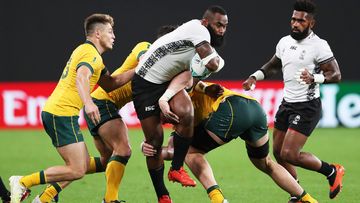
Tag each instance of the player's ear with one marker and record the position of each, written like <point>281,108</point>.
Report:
<point>312,23</point>
<point>205,22</point>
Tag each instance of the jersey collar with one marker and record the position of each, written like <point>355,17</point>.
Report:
<point>89,42</point>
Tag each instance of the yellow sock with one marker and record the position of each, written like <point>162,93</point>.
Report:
<point>50,192</point>
<point>114,173</point>
<point>216,196</point>
<point>308,198</point>
<point>95,166</point>
<point>33,179</point>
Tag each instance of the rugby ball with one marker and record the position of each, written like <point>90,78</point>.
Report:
<point>198,69</point>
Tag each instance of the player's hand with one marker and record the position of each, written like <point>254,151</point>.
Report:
<point>92,112</point>
<point>303,76</point>
<point>147,149</point>
<point>170,117</point>
<point>249,84</point>
<point>214,90</point>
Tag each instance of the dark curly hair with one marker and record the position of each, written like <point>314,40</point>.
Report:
<point>307,6</point>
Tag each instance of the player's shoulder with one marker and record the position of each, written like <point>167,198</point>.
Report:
<point>194,22</point>
<point>317,40</point>
<point>192,25</point>
<point>140,48</point>
<point>142,45</point>
<point>286,39</point>
<point>86,48</point>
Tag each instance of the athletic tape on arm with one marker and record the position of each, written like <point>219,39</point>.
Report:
<point>207,59</point>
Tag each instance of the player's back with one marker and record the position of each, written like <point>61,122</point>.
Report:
<point>204,105</point>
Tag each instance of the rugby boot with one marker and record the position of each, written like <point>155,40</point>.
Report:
<point>181,177</point>
<point>17,189</point>
<point>165,199</point>
<point>336,187</point>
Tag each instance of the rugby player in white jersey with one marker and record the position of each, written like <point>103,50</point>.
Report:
<point>167,57</point>
<point>306,62</point>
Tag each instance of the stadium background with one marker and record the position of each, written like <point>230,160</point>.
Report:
<point>37,38</point>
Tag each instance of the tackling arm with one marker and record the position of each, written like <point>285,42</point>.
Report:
<point>178,83</point>
<point>110,83</point>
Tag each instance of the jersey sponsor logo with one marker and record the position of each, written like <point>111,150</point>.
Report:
<point>161,52</point>
<point>150,108</point>
<point>293,47</point>
<point>296,119</point>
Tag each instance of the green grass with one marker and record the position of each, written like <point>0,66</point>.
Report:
<point>24,152</point>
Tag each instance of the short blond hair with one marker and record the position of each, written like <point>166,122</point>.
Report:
<point>96,18</point>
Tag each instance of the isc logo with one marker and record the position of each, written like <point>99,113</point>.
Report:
<point>150,108</point>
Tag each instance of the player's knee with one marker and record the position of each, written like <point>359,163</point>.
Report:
<point>156,143</point>
<point>123,150</point>
<point>288,155</point>
<point>78,173</point>
<point>186,115</point>
<point>268,165</point>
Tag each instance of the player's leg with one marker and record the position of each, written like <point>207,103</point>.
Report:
<point>153,132</point>
<point>69,142</point>
<point>181,105</point>
<point>76,160</point>
<point>110,133</point>
<point>115,134</point>
<point>145,98</point>
<point>51,191</point>
<point>291,152</point>
<point>302,122</point>
<point>200,167</point>
<point>107,111</point>
<point>280,127</point>
<point>167,152</point>
<point>195,159</point>
<point>258,153</point>
<point>96,164</point>
<point>278,140</point>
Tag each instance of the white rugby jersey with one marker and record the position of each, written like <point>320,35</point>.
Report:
<point>308,53</point>
<point>172,53</point>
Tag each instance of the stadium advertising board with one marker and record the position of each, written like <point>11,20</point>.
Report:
<point>20,103</point>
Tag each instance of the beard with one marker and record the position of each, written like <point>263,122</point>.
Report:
<point>300,35</point>
<point>216,40</point>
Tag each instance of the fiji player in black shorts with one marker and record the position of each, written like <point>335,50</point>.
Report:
<point>306,61</point>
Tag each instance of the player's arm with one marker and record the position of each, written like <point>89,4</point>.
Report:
<point>110,83</point>
<point>331,71</point>
<point>181,81</point>
<point>269,69</point>
<point>212,90</point>
<point>83,75</point>
<point>331,74</point>
<point>210,58</point>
